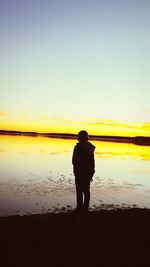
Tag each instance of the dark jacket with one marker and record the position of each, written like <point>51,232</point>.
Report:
<point>83,159</point>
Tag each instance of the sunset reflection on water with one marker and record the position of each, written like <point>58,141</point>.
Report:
<point>36,175</point>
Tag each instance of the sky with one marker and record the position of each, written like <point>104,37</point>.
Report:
<point>68,65</point>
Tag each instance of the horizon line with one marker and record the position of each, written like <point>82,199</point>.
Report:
<point>139,140</point>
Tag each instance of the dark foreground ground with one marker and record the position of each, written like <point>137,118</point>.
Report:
<point>105,238</point>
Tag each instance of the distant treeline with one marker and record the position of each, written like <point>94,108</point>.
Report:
<point>139,140</point>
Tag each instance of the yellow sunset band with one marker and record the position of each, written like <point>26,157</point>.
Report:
<point>59,125</point>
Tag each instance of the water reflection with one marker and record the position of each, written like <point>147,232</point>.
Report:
<point>36,175</point>
<point>122,150</point>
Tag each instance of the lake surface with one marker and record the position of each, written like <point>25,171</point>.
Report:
<point>36,175</point>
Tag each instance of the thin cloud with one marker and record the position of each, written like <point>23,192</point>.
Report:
<point>2,150</point>
<point>146,125</point>
<point>3,113</point>
<point>44,118</point>
<point>109,123</point>
<point>55,118</point>
<point>103,122</point>
<point>117,124</point>
<point>51,118</point>
<point>62,119</point>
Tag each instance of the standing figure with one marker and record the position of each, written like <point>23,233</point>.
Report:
<point>83,168</point>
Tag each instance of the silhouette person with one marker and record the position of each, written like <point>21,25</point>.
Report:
<point>83,168</point>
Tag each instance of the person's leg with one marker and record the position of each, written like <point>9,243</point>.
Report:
<point>79,195</point>
<point>86,196</point>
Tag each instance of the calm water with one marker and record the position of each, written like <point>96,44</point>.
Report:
<point>36,175</point>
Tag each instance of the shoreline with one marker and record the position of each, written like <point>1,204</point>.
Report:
<point>70,210</point>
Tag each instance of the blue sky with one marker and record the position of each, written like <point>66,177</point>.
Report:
<point>77,61</point>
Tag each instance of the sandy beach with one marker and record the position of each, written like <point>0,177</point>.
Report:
<point>103,238</point>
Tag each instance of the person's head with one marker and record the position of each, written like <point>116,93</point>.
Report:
<point>83,136</point>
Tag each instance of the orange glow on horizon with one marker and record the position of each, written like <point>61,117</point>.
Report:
<point>61,125</point>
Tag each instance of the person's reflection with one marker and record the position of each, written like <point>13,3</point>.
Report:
<point>83,168</point>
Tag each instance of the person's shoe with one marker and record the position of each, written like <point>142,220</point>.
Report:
<point>85,210</point>
<point>78,210</point>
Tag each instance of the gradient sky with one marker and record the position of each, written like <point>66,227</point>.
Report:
<point>66,65</point>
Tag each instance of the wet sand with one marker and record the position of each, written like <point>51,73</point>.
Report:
<point>103,238</point>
